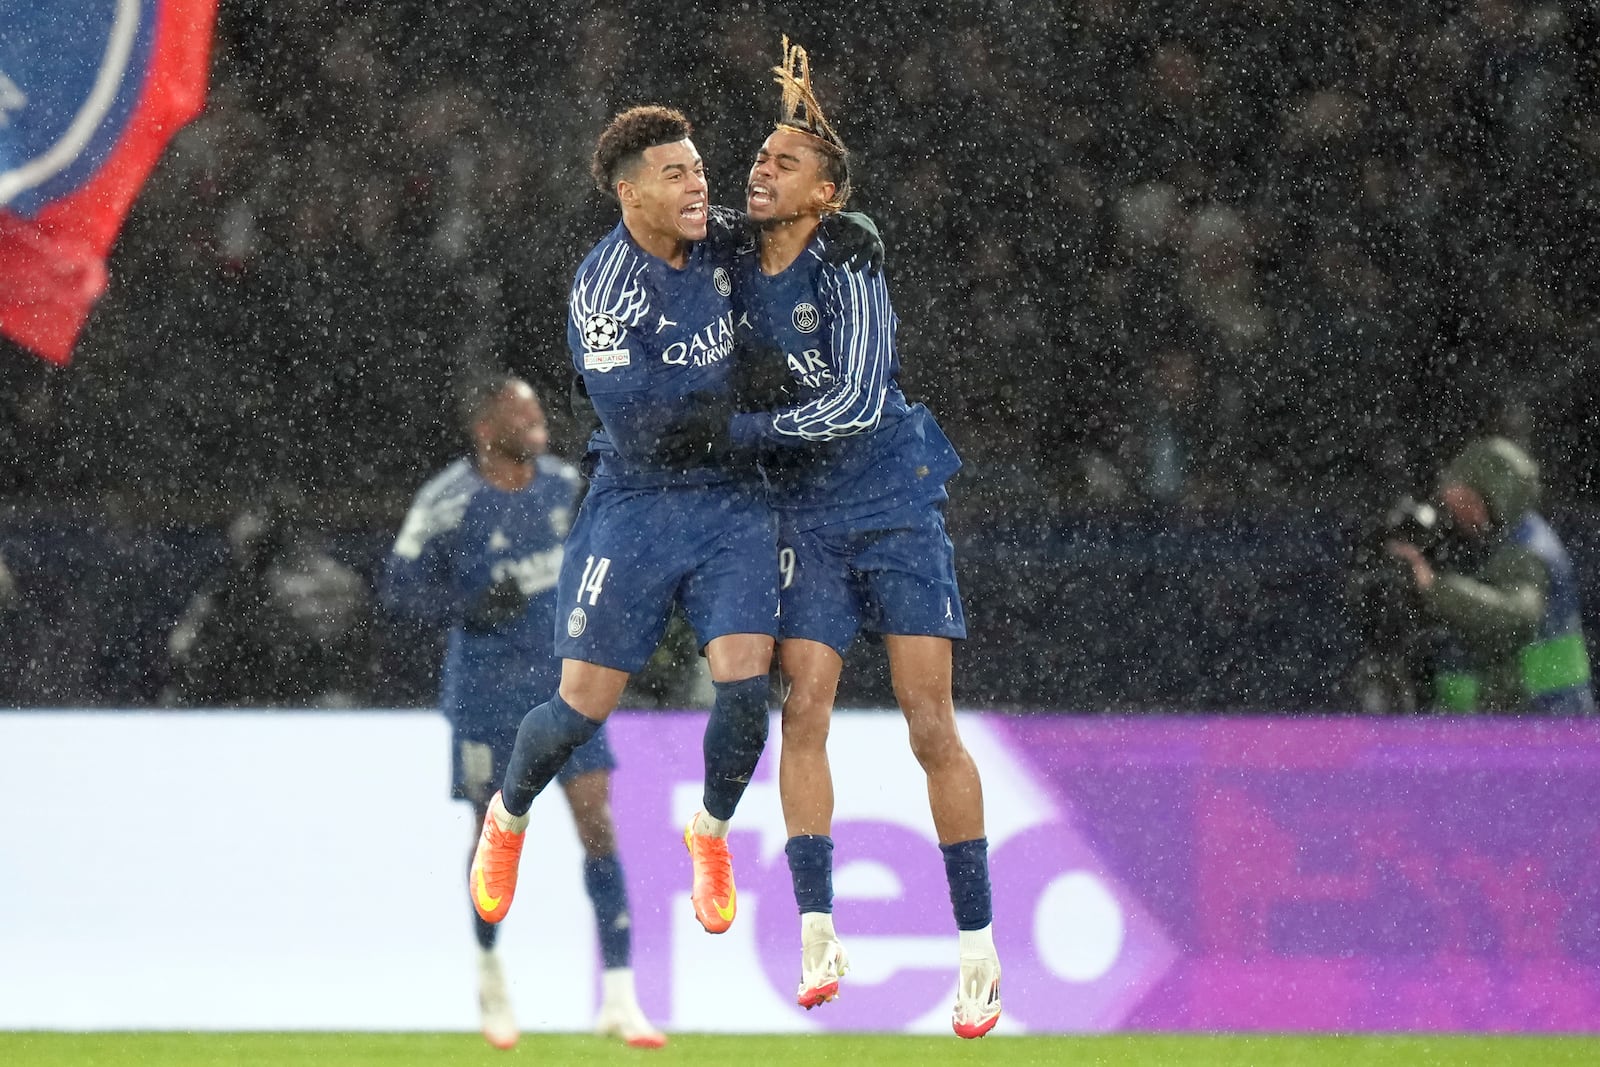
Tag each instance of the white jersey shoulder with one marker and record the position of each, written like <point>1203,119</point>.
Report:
<point>556,467</point>
<point>439,507</point>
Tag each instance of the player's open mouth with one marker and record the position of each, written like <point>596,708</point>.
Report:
<point>759,194</point>
<point>694,212</point>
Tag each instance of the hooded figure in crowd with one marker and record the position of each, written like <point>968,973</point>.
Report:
<point>1504,593</point>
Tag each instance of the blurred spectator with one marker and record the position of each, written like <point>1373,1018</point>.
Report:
<point>9,593</point>
<point>11,637</point>
<point>281,623</point>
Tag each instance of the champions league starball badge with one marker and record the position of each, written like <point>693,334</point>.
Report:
<point>601,331</point>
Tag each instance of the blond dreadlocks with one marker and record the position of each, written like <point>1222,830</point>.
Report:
<point>800,111</point>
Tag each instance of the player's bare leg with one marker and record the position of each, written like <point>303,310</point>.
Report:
<point>921,670</point>
<point>732,657</point>
<point>735,735</point>
<point>811,672</point>
<point>590,689</point>
<point>620,1015</point>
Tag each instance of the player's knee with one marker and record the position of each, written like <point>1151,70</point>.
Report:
<point>936,745</point>
<point>920,700</point>
<point>805,725</point>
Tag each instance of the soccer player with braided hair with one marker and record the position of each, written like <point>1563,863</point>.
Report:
<point>858,475</point>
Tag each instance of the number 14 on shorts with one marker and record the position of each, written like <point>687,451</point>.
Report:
<point>594,576</point>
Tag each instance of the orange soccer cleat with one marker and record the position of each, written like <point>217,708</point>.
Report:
<point>493,878</point>
<point>714,898</point>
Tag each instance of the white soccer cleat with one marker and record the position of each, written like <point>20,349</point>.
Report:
<point>494,1004</point>
<point>822,964</point>
<point>977,996</point>
<point>626,1020</point>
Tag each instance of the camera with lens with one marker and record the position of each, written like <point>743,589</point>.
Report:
<point>1398,644</point>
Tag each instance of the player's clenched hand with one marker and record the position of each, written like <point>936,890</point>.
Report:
<point>761,378</point>
<point>700,438</point>
<point>494,607</point>
<point>850,240</point>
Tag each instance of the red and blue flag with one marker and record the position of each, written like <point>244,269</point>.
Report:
<point>91,91</point>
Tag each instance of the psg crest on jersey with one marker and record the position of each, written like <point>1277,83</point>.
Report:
<point>807,318</point>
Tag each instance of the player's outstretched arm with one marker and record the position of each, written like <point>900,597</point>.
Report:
<point>862,336</point>
<point>416,576</point>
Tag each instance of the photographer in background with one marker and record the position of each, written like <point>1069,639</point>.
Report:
<point>1481,613</point>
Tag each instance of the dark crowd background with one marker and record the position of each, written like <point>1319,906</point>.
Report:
<point>1194,287</point>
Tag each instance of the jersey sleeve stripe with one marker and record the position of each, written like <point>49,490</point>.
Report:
<point>862,333</point>
<point>611,287</point>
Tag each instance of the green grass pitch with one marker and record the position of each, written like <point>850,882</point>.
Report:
<point>39,1049</point>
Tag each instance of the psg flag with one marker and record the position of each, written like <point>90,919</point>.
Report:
<point>91,91</point>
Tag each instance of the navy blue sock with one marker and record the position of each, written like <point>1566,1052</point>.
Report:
<point>602,877</point>
<point>545,739</point>
<point>734,739</point>
<point>966,868</point>
<point>811,870</point>
<point>486,931</point>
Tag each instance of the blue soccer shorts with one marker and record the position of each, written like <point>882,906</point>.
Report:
<point>893,573</point>
<point>633,552</point>
<point>478,766</point>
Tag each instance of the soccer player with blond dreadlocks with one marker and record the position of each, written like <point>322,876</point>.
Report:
<point>858,476</point>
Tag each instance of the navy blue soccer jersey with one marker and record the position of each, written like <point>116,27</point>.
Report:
<point>854,446</point>
<point>461,536</point>
<point>647,336</point>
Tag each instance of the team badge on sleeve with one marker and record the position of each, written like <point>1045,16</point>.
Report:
<point>601,331</point>
<point>601,335</point>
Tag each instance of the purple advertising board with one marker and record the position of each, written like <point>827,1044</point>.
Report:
<point>1239,874</point>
